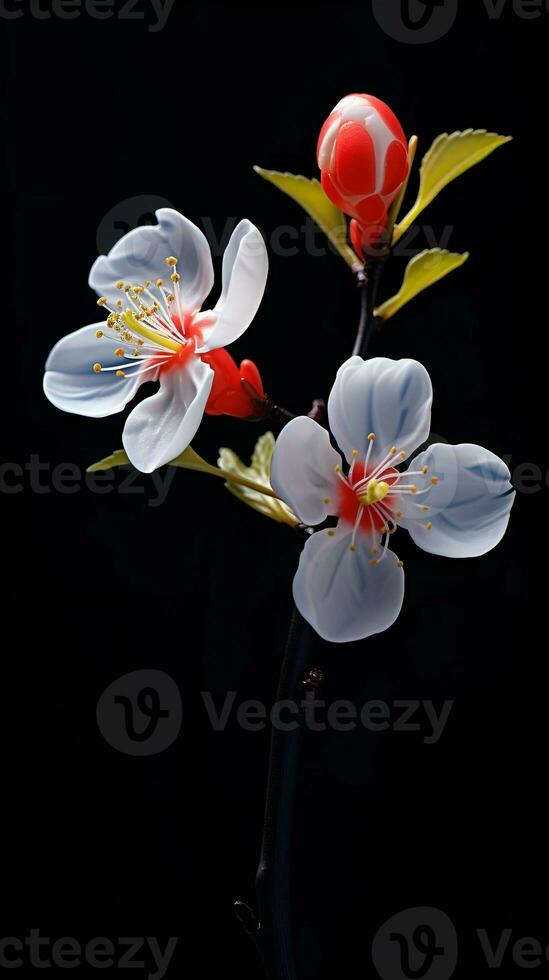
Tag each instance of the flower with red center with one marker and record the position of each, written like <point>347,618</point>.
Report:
<point>362,153</point>
<point>153,284</point>
<point>453,500</point>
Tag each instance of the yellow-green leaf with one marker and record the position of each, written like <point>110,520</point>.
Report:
<point>394,210</point>
<point>422,271</point>
<point>310,195</point>
<point>190,460</point>
<point>256,475</point>
<point>118,458</point>
<point>449,157</point>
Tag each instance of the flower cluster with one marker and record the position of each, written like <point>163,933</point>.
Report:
<point>350,487</point>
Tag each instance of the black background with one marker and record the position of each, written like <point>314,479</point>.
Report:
<point>99,843</point>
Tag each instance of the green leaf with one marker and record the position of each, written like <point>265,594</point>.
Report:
<point>117,458</point>
<point>258,474</point>
<point>310,195</point>
<point>190,460</point>
<point>422,271</point>
<point>449,157</point>
<point>394,210</point>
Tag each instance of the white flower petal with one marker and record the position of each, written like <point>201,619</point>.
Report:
<point>302,470</point>
<point>469,507</point>
<point>245,268</point>
<point>390,398</point>
<point>162,426</point>
<point>141,255</point>
<point>72,385</point>
<point>340,593</point>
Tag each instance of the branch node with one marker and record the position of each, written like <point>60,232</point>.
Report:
<point>247,918</point>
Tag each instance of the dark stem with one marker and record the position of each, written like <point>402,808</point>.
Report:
<point>272,931</point>
<point>368,286</point>
<point>281,415</point>
<point>364,307</point>
<point>272,927</point>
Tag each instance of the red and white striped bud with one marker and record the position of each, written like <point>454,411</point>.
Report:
<point>362,153</point>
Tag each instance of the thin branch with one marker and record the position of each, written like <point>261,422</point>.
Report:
<point>272,928</point>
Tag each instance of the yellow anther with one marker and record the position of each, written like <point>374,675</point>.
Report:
<point>98,334</point>
<point>331,534</point>
<point>424,470</point>
<point>385,529</point>
<point>425,507</point>
<point>159,282</point>
<point>97,368</point>
<point>374,562</point>
<point>337,469</point>
<point>393,450</point>
<point>371,436</point>
<point>402,454</point>
<point>120,374</point>
<point>119,284</point>
<point>139,290</point>
<point>434,480</point>
<point>119,304</point>
<point>352,547</point>
<point>398,513</point>
<point>400,564</point>
<point>354,453</point>
<point>171,298</point>
<point>413,489</point>
<point>373,551</point>
<point>175,277</point>
<point>171,260</point>
<point>102,300</point>
<point>119,352</point>
<point>429,526</point>
<point>135,353</point>
<point>128,288</point>
<point>327,500</point>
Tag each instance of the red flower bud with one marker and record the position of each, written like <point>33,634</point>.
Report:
<point>228,396</point>
<point>363,155</point>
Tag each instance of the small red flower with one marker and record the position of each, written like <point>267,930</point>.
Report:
<point>362,153</point>
<point>229,395</point>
